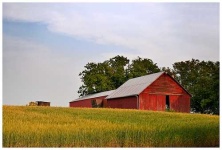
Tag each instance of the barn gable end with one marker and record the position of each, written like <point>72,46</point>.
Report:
<point>165,93</point>
<point>165,84</point>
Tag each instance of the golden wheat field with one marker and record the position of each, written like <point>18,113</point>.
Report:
<point>31,126</point>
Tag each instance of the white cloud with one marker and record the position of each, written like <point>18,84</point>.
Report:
<point>150,29</point>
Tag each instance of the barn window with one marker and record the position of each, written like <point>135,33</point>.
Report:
<point>167,102</point>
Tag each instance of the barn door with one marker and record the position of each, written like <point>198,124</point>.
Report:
<point>174,100</point>
<point>155,102</point>
<point>167,106</point>
<point>160,99</point>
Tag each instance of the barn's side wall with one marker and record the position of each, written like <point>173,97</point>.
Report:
<point>82,103</point>
<point>125,103</point>
<point>88,102</point>
<point>154,96</point>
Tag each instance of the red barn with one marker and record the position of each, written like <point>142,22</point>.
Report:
<point>93,100</point>
<point>158,91</point>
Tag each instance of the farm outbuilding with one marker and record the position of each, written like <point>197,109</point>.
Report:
<point>42,103</point>
<point>93,100</point>
<point>158,92</point>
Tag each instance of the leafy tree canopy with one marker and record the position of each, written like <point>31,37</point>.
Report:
<point>201,79</point>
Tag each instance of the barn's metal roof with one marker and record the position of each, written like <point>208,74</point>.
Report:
<point>134,86</point>
<point>106,93</point>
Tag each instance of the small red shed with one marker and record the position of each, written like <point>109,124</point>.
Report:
<point>158,91</point>
<point>93,100</point>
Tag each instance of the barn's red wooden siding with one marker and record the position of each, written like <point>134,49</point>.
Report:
<point>88,102</point>
<point>154,96</point>
<point>124,102</point>
<point>82,103</point>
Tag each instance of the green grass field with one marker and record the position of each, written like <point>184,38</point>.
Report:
<point>30,126</point>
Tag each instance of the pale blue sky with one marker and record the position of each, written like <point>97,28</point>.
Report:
<point>46,45</point>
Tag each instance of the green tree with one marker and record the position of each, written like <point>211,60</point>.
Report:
<point>140,67</point>
<point>201,79</point>
<point>118,65</point>
<point>95,78</point>
<point>99,77</point>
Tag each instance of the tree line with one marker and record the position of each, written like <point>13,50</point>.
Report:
<point>199,78</point>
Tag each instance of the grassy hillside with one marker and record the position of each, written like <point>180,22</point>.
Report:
<point>74,127</point>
